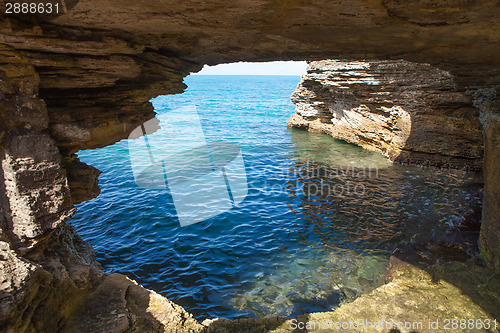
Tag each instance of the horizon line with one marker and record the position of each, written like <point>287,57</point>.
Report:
<point>244,74</point>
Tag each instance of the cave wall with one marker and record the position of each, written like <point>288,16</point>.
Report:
<point>45,267</point>
<point>49,278</point>
<point>84,80</point>
<point>490,228</point>
<point>488,101</point>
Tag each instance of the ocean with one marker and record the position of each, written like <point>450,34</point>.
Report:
<point>316,229</point>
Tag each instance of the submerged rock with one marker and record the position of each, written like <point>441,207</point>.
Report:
<point>414,299</point>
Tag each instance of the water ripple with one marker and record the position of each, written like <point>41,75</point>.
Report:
<point>315,230</point>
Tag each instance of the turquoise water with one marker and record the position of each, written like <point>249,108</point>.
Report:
<point>316,229</point>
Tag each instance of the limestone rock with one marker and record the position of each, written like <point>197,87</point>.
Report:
<point>83,179</point>
<point>120,305</point>
<point>412,113</point>
<point>53,278</point>
<point>34,193</point>
<point>22,285</point>
<point>488,101</point>
<point>46,268</point>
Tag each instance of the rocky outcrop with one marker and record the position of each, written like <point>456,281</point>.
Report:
<point>54,278</point>
<point>84,79</point>
<point>83,179</point>
<point>120,305</point>
<point>48,274</point>
<point>412,113</point>
<point>35,196</point>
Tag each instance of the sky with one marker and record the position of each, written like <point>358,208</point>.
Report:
<point>256,68</point>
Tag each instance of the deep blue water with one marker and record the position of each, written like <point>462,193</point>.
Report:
<point>316,229</point>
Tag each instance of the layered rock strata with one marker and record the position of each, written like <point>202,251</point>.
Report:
<point>46,267</point>
<point>412,113</point>
<point>48,274</point>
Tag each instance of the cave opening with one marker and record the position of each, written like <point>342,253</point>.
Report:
<point>316,229</point>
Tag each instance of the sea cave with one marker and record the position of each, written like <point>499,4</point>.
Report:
<point>364,196</point>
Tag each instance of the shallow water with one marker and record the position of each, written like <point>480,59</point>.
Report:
<point>316,229</point>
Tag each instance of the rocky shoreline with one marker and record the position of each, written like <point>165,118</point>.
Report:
<point>412,113</point>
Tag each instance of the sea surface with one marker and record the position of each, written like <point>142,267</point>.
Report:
<point>316,229</point>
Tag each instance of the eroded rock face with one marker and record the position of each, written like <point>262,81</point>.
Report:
<point>488,101</point>
<point>46,268</point>
<point>412,113</point>
<point>35,196</point>
<point>47,272</point>
<point>40,289</point>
